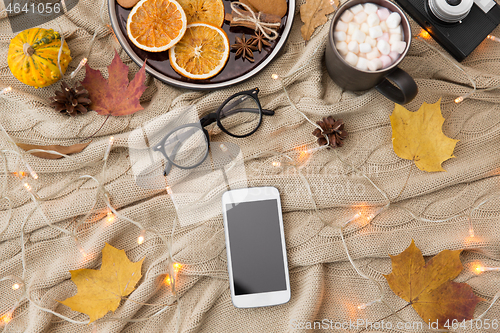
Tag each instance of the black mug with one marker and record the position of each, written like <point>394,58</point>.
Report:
<point>348,77</point>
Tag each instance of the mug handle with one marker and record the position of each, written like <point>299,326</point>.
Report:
<point>404,90</point>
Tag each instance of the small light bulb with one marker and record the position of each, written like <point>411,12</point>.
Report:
<point>276,164</point>
<point>471,232</point>
<point>110,217</point>
<point>168,280</point>
<point>141,237</point>
<point>493,38</point>
<point>169,190</point>
<point>16,286</point>
<point>27,187</point>
<point>177,267</point>
<point>357,215</point>
<point>80,66</point>
<point>6,318</point>
<point>275,76</point>
<point>31,171</point>
<point>6,90</point>
<point>424,34</point>
<point>110,144</point>
<point>223,147</point>
<point>362,306</point>
<point>459,100</point>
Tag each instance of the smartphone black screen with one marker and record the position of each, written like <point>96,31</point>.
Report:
<point>256,248</point>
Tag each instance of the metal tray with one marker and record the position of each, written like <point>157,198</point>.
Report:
<point>235,71</point>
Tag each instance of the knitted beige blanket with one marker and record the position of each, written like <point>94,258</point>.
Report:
<point>432,208</point>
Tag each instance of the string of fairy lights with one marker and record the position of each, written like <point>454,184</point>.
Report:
<point>23,172</point>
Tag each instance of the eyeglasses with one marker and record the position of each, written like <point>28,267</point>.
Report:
<point>187,146</point>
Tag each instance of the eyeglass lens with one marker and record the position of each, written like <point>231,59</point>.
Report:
<point>186,147</point>
<point>241,115</point>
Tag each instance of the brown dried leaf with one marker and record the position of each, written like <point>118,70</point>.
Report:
<point>60,149</point>
<point>313,14</point>
<point>428,286</point>
<point>115,96</point>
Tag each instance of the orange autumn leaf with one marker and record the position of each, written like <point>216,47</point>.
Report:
<point>100,291</point>
<point>428,286</point>
<point>115,96</point>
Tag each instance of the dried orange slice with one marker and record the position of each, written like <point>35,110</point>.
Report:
<point>202,53</point>
<point>156,25</point>
<point>206,11</point>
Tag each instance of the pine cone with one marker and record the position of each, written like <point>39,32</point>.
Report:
<point>71,101</point>
<point>333,129</point>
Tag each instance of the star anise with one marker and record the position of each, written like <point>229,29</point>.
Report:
<point>244,48</point>
<point>333,129</point>
<point>259,40</point>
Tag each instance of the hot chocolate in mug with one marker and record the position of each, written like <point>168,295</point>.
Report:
<point>392,82</point>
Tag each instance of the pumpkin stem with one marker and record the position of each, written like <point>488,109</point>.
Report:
<point>28,49</point>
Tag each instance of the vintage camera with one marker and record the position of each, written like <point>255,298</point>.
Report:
<point>458,25</point>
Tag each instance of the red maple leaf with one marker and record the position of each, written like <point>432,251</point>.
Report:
<point>115,96</point>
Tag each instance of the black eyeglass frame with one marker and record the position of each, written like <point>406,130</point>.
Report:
<point>208,120</point>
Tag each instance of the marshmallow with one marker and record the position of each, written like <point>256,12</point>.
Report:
<point>373,20</point>
<point>386,61</point>
<point>375,64</point>
<point>360,17</point>
<point>371,41</point>
<point>353,46</point>
<point>383,13</point>
<point>341,26</point>
<point>356,9</point>
<point>385,37</point>
<point>352,59</point>
<point>361,55</point>
<point>347,16</point>
<point>393,20</point>
<point>376,32</point>
<point>352,27</point>
<point>399,47</point>
<point>342,48</point>
<point>339,36</point>
<point>370,8</point>
<point>365,28</point>
<point>384,47</point>
<point>394,38</point>
<point>359,36</point>
<point>397,30</point>
<point>373,54</point>
<point>384,27</point>
<point>362,64</point>
<point>394,55</point>
<point>365,48</point>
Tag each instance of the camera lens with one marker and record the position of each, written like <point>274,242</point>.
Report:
<point>451,11</point>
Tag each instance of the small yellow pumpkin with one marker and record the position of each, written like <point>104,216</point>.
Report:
<point>32,57</point>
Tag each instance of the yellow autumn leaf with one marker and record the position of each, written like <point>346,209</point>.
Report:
<point>418,136</point>
<point>428,286</point>
<point>100,291</point>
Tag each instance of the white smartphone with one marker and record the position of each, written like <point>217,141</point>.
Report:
<point>255,244</point>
